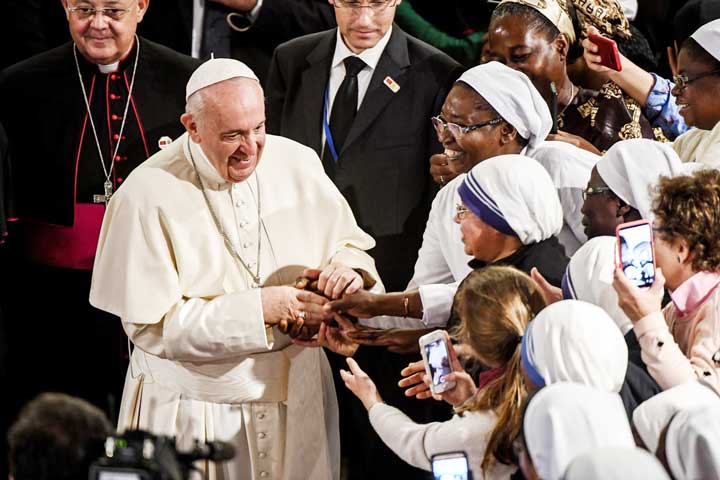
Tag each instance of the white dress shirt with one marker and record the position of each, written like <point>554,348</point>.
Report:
<point>370,56</point>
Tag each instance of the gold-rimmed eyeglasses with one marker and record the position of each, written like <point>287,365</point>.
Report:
<point>86,12</point>
<point>460,210</point>
<point>374,5</point>
<point>682,81</point>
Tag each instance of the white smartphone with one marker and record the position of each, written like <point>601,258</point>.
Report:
<point>434,348</point>
<point>637,252</point>
<point>450,466</point>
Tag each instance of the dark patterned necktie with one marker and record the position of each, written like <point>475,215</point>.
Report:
<point>216,31</point>
<point>344,107</point>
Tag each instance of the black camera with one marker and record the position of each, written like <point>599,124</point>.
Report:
<point>139,455</point>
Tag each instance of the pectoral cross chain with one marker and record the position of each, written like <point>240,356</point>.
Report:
<point>108,186</point>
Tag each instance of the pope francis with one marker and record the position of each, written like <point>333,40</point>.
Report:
<point>197,255</point>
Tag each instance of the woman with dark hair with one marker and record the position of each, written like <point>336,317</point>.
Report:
<point>650,89</point>
<point>539,38</point>
<point>682,342</point>
<point>696,91</point>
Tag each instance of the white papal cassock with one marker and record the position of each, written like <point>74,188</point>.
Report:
<point>205,366</point>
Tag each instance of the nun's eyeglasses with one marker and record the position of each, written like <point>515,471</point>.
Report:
<point>460,210</point>
<point>594,191</point>
<point>459,130</point>
<point>682,81</point>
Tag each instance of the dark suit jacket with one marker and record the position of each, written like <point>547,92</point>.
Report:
<point>383,169</point>
<point>169,22</point>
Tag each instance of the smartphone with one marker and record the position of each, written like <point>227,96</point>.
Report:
<point>608,51</point>
<point>451,466</point>
<point>434,349</point>
<point>636,252</point>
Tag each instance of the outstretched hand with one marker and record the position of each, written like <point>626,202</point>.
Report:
<point>397,340</point>
<point>360,384</point>
<point>334,338</point>
<point>549,292</point>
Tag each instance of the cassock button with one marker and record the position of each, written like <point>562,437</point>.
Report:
<point>262,454</point>
<point>114,97</point>
<point>261,416</point>
<point>113,77</point>
<point>247,244</point>
<point>262,435</point>
<point>116,137</point>
<point>115,117</point>
<point>118,158</point>
<point>240,203</point>
<point>264,474</point>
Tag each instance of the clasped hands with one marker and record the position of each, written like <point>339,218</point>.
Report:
<point>299,310</point>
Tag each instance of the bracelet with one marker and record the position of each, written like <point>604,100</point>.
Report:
<point>406,306</point>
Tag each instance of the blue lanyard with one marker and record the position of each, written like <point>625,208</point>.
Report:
<point>326,126</point>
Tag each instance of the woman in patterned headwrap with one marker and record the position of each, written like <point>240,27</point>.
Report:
<point>540,38</point>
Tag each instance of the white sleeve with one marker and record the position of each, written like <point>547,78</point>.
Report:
<point>200,330</point>
<point>417,443</point>
<point>437,303</point>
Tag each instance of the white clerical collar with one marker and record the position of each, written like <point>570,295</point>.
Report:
<point>207,171</point>
<point>370,56</point>
<point>109,68</point>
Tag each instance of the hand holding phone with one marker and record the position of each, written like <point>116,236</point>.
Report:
<point>434,348</point>
<point>451,466</point>
<point>608,51</point>
<point>636,252</point>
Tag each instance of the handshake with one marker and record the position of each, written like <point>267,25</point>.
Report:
<point>301,309</point>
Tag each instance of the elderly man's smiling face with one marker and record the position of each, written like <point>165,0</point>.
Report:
<point>227,120</point>
<point>103,38</point>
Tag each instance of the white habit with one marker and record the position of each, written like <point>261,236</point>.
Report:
<point>205,366</point>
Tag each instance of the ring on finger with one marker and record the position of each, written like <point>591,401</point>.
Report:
<point>302,315</point>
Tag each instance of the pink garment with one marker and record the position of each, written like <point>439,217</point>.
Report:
<point>66,247</point>
<point>685,344</point>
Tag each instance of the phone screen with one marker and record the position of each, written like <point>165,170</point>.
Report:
<point>454,467</point>
<point>438,360</point>
<point>636,254</point>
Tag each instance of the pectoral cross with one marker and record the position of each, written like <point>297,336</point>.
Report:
<point>108,186</point>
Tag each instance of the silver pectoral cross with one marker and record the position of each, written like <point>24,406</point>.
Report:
<point>108,187</point>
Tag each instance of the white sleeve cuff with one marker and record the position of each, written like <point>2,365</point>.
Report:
<point>437,303</point>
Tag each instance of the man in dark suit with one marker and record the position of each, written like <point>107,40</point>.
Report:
<point>260,26</point>
<point>382,167</point>
<point>362,96</point>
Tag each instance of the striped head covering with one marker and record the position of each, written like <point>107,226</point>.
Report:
<point>566,420</point>
<point>574,341</point>
<point>514,195</point>
<point>589,277</point>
